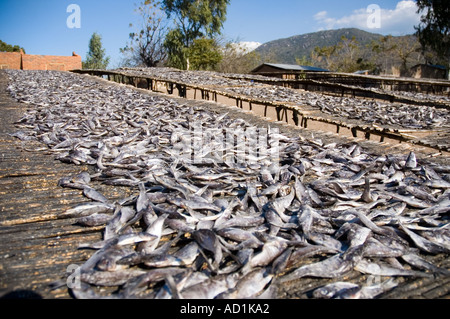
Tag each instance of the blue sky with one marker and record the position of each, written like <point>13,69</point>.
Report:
<point>41,26</point>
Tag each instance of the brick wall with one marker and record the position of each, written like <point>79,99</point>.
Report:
<point>15,60</point>
<point>10,60</point>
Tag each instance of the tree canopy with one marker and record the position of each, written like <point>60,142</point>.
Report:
<point>193,19</point>
<point>96,56</point>
<point>434,29</point>
<point>5,47</point>
<point>204,54</point>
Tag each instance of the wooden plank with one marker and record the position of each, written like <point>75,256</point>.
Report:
<point>35,247</point>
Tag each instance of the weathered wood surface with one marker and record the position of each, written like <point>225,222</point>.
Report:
<point>36,247</point>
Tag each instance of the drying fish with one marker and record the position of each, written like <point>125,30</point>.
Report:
<point>418,262</point>
<point>88,209</point>
<point>378,269</point>
<point>94,220</point>
<point>183,257</point>
<point>271,250</point>
<point>94,195</point>
<point>154,230</point>
<point>332,267</point>
<point>425,244</point>
<point>345,290</point>
<point>249,286</point>
<point>370,292</point>
<point>210,288</point>
<point>335,289</point>
<point>208,240</point>
<point>211,217</point>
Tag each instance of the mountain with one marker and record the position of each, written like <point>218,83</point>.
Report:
<point>287,50</point>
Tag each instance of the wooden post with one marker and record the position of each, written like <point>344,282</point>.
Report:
<point>169,87</point>
<point>295,117</point>
<point>278,109</point>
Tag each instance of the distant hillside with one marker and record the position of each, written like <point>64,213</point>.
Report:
<point>287,50</point>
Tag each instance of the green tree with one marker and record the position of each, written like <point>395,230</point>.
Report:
<point>176,51</point>
<point>434,29</point>
<point>146,45</point>
<point>5,47</point>
<point>346,56</point>
<point>382,50</point>
<point>193,19</point>
<point>96,56</point>
<point>204,54</point>
<point>399,53</point>
<point>304,60</point>
<point>323,56</point>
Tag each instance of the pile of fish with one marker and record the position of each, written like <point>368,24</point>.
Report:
<point>418,96</point>
<point>365,111</point>
<point>216,228</point>
<point>201,78</point>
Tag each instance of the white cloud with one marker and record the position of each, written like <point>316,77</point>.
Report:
<point>399,21</point>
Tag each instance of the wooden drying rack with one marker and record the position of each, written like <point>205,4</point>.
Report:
<point>301,115</point>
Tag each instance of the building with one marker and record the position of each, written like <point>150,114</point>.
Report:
<point>22,61</point>
<point>428,71</point>
<point>285,71</point>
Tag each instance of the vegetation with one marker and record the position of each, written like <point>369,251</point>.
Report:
<point>96,56</point>
<point>146,45</point>
<point>350,50</point>
<point>204,54</point>
<point>5,47</point>
<point>299,46</point>
<point>188,37</point>
<point>237,59</point>
<point>193,20</point>
<point>346,56</point>
<point>434,29</point>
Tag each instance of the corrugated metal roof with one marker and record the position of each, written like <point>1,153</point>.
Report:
<point>293,67</point>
